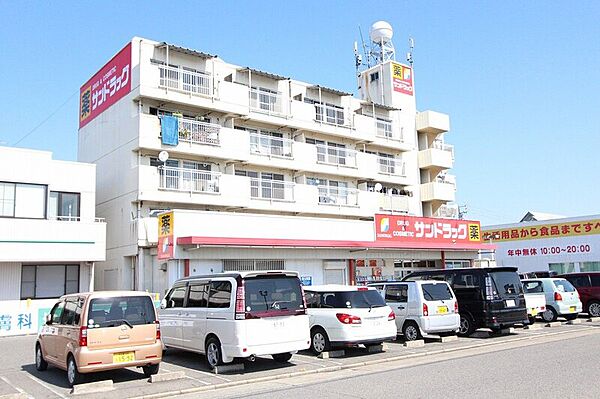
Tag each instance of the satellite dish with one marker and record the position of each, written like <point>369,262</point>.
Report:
<point>378,187</point>
<point>381,32</point>
<point>163,156</point>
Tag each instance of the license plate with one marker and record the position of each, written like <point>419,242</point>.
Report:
<point>510,303</point>
<point>572,308</point>
<point>279,324</point>
<point>123,357</point>
<point>442,309</point>
<point>534,311</point>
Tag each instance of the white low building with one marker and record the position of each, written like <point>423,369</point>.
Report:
<point>563,245</point>
<point>50,238</point>
<point>248,149</point>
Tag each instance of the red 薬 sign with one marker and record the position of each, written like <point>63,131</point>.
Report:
<point>399,228</point>
<point>106,87</point>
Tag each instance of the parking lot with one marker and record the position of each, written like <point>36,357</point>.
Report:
<point>19,378</point>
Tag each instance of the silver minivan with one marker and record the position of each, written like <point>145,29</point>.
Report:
<point>421,307</point>
<point>236,315</point>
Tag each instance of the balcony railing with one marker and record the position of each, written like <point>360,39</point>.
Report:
<point>331,115</point>
<point>447,211</point>
<point>198,132</point>
<point>184,80</point>
<point>266,101</point>
<point>440,145</point>
<point>338,196</point>
<point>263,144</point>
<point>391,166</point>
<point>272,189</point>
<point>336,155</point>
<point>188,180</point>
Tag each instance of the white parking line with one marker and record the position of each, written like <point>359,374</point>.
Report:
<point>195,379</point>
<point>48,387</point>
<point>210,374</point>
<point>15,387</point>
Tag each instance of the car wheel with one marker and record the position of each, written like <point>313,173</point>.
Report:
<point>319,341</point>
<point>282,357</point>
<point>40,363</point>
<point>549,315</point>
<point>571,316</point>
<point>74,377</point>
<point>214,357</point>
<point>594,309</point>
<point>410,330</point>
<point>150,369</point>
<point>467,325</point>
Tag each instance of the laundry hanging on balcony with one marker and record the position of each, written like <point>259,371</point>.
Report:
<point>169,126</point>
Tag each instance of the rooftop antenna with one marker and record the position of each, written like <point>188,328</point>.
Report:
<point>381,41</point>
<point>409,55</point>
<point>367,54</point>
<point>357,58</point>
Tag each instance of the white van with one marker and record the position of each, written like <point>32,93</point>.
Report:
<point>342,315</point>
<point>422,307</point>
<point>236,315</point>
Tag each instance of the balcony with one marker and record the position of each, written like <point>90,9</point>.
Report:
<point>439,190</point>
<point>331,195</point>
<point>196,132</point>
<point>267,102</point>
<point>339,156</point>
<point>391,166</point>
<point>431,122</point>
<point>271,190</point>
<point>262,144</point>
<point>394,203</point>
<point>448,211</point>
<point>439,156</point>
<point>188,180</point>
<point>180,79</point>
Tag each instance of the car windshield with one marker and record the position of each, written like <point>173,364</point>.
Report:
<point>507,283</point>
<point>533,287</point>
<point>436,292</point>
<point>265,294</point>
<point>366,299</point>
<point>563,286</point>
<point>116,311</point>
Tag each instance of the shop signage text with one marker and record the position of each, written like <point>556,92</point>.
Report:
<point>165,236</point>
<point>426,230</point>
<point>106,87</point>
<point>555,230</point>
<point>402,78</point>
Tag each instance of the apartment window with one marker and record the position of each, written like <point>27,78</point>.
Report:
<point>270,143</point>
<point>22,200</point>
<point>48,281</point>
<point>329,152</point>
<point>63,206</point>
<point>264,185</point>
<point>264,99</point>
<point>325,112</point>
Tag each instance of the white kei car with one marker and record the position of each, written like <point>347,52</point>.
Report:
<point>342,315</point>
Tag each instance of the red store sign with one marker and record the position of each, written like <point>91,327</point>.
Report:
<point>106,87</point>
<point>412,229</point>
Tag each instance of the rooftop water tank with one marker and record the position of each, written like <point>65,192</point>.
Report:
<point>381,32</point>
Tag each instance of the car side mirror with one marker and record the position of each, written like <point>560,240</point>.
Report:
<point>48,319</point>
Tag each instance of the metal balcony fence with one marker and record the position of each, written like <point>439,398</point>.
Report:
<point>188,180</point>
<point>181,79</point>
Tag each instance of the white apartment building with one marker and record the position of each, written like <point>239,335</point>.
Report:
<point>264,171</point>
<point>50,238</point>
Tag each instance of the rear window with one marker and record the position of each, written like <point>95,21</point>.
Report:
<point>533,287</point>
<point>264,294</point>
<point>507,283</point>
<point>351,299</point>
<point>436,292</point>
<point>112,312</point>
<point>563,286</point>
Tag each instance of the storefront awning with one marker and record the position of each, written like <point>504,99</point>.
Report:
<point>301,243</point>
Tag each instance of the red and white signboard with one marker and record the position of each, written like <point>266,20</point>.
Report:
<point>402,78</point>
<point>106,87</point>
<point>412,229</point>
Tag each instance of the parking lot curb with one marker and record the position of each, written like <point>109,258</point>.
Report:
<point>593,319</point>
<point>532,327</point>
<point>228,368</point>
<point>332,354</point>
<point>414,344</point>
<point>176,375</point>
<point>345,366</point>
<point>93,387</point>
<point>571,322</point>
<point>554,324</point>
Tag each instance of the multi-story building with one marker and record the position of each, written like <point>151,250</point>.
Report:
<point>50,238</point>
<point>264,171</point>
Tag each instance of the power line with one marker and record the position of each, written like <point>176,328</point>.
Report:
<point>47,118</point>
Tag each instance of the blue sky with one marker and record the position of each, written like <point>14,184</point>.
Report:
<point>520,80</point>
